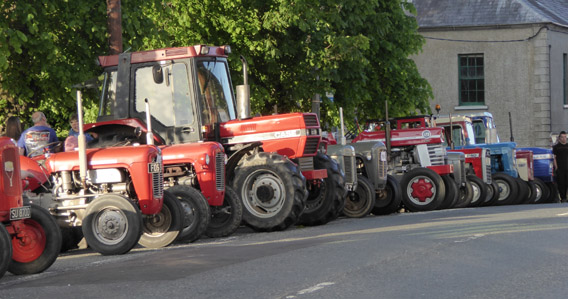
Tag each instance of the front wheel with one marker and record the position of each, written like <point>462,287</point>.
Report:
<point>542,191</point>
<point>195,210</point>
<point>5,250</point>
<point>162,229</point>
<point>452,193</point>
<point>112,224</point>
<point>38,245</point>
<point>326,198</point>
<point>388,200</point>
<point>507,188</point>
<point>422,190</point>
<point>360,202</point>
<point>272,190</point>
<point>479,190</point>
<point>227,218</point>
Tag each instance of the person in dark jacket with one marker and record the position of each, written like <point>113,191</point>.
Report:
<point>560,151</point>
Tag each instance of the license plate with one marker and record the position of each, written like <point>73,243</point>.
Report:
<point>20,213</point>
<point>154,167</point>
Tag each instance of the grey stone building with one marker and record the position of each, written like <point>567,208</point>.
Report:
<point>499,56</point>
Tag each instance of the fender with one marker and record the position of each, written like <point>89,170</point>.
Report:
<point>237,156</point>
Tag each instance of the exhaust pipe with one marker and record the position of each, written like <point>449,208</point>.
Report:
<point>243,94</point>
<point>149,134</point>
<point>82,142</point>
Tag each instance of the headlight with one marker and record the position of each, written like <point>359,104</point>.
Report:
<point>207,159</point>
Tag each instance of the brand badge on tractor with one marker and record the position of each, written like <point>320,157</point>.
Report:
<point>426,134</point>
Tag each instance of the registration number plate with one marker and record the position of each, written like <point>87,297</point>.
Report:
<point>20,213</point>
<point>154,167</point>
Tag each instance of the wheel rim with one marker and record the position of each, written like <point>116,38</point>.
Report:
<point>421,190</point>
<point>356,201</point>
<point>264,193</point>
<point>188,214</point>
<point>538,193</point>
<point>504,190</point>
<point>159,224</point>
<point>476,192</point>
<point>31,246</point>
<point>110,226</point>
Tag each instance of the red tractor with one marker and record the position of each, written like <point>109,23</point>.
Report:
<point>29,237</point>
<point>273,161</point>
<point>116,195</point>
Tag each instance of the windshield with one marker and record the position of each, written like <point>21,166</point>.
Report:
<point>170,101</point>
<point>457,136</point>
<point>470,140</point>
<point>479,130</point>
<point>215,91</point>
<point>109,94</point>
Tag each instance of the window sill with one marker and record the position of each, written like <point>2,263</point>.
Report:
<point>565,106</point>
<point>477,107</point>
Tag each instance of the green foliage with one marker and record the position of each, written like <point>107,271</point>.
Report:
<point>358,50</point>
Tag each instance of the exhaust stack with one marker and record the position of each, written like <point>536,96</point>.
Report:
<point>243,94</point>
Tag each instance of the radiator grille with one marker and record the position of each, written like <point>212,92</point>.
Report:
<point>311,120</point>
<point>350,172</point>
<point>487,165</point>
<point>158,180</point>
<point>311,145</point>
<point>382,165</point>
<point>437,153</point>
<point>220,171</point>
<point>306,163</point>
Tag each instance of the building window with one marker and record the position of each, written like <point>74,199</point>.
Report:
<point>565,78</point>
<point>471,79</point>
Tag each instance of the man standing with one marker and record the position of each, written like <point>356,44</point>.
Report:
<point>560,151</point>
<point>40,136</point>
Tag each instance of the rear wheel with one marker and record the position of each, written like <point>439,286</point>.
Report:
<point>422,190</point>
<point>5,250</point>
<point>360,202</point>
<point>112,224</point>
<point>195,211</point>
<point>523,192</point>
<point>553,196</point>
<point>451,197</point>
<point>272,190</point>
<point>492,194</point>
<point>542,191</point>
<point>326,198</point>
<point>227,218</point>
<point>162,229</point>
<point>507,189</point>
<point>388,200</point>
<point>39,246</point>
<point>479,190</point>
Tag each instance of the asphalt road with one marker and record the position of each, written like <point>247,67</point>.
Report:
<point>490,252</point>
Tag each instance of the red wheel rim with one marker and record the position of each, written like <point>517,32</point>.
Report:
<point>422,189</point>
<point>31,246</point>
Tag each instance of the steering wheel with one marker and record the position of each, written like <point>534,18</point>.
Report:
<point>43,148</point>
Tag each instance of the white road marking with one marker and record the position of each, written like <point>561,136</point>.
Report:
<point>315,288</point>
<point>476,236</point>
<point>563,214</point>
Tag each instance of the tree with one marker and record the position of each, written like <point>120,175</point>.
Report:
<point>358,50</point>
<point>46,47</point>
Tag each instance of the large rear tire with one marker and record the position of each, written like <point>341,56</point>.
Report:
<point>227,218</point>
<point>272,190</point>
<point>492,194</point>
<point>5,250</point>
<point>388,201</point>
<point>451,197</point>
<point>523,192</point>
<point>39,247</point>
<point>326,198</point>
<point>479,190</point>
<point>422,190</point>
<point>542,191</point>
<point>162,229</point>
<point>507,189</point>
<point>112,224</point>
<point>553,197</point>
<point>195,211</point>
<point>360,202</point>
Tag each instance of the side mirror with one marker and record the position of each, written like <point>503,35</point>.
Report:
<point>158,74</point>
